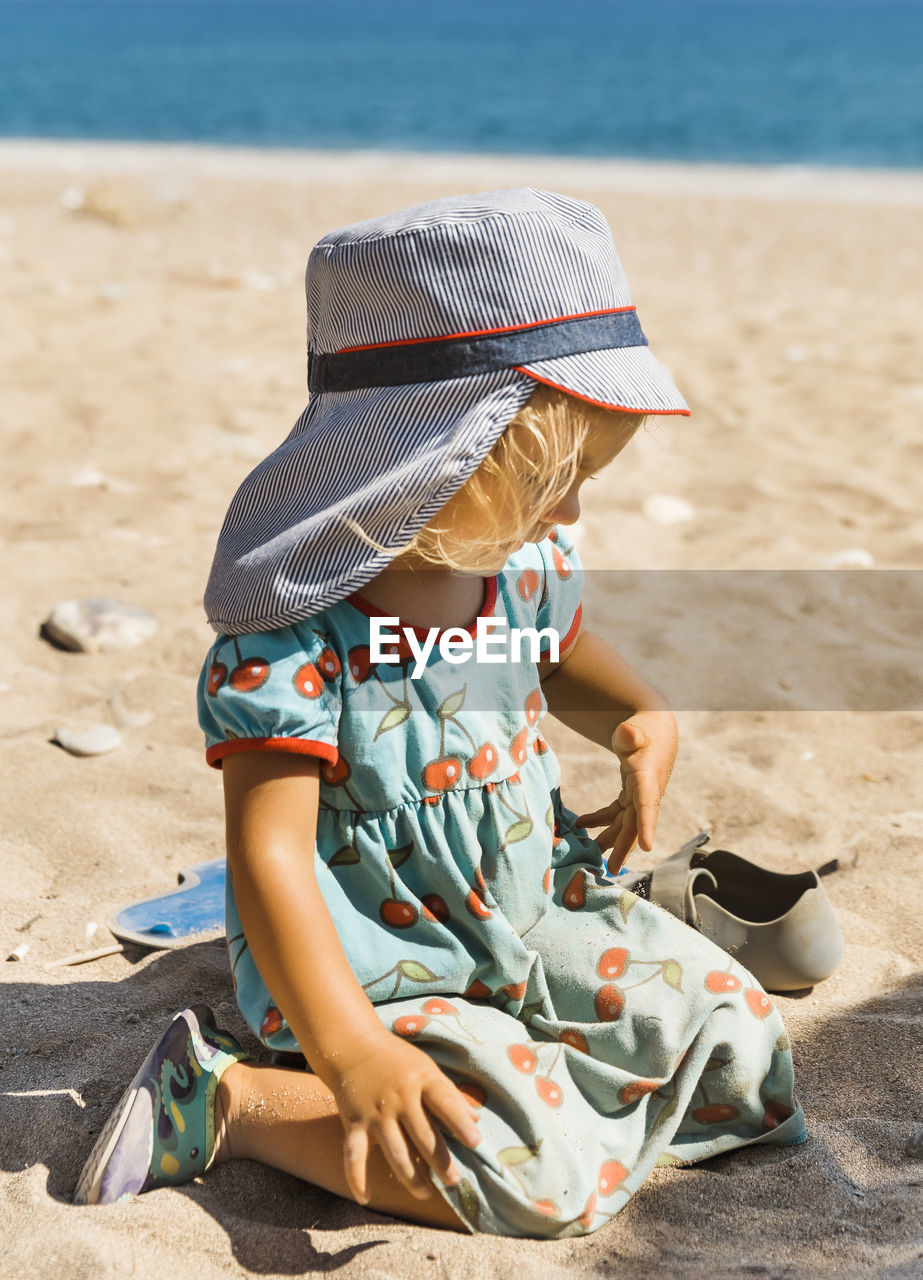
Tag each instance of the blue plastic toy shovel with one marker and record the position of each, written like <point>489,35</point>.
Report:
<point>171,919</point>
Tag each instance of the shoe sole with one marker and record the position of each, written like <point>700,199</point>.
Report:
<point>89,1184</point>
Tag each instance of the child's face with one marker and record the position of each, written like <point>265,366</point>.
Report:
<point>607,437</point>
<point>604,442</point>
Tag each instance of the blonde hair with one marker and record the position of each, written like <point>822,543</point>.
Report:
<point>528,471</point>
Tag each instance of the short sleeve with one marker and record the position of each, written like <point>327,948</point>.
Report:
<point>562,586</point>
<point>271,691</point>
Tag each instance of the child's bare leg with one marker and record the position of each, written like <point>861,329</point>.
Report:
<point>288,1119</point>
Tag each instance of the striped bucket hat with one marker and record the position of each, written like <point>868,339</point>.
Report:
<point>428,329</point>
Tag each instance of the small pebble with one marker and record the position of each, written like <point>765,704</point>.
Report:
<point>260,281</point>
<point>851,558</point>
<point>87,478</point>
<point>914,1145</point>
<point>91,740</point>
<point>98,624</point>
<point>909,821</point>
<point>73,198</point>
<point>664,509</point>
<point>113,291</point>
<point>92,929</point>
<point>19,953</point>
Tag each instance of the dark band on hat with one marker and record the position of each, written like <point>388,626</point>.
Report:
<point>461,356</point>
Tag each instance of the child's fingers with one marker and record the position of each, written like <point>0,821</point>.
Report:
<point>448,1104</point>
<point>429,1142</point>
<point>629,737</point>
<point>609,838</point>
<point>647,823</point>
<point>647,805</point>
<point>624,841</point>
<point>394,1144</point>
<point>355,1161</point>
<point>598,816</point>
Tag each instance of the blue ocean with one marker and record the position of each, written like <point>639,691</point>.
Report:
<point>793,81</point>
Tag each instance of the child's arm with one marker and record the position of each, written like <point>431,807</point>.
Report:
<point>380,1082</point>
<point>594,691</point>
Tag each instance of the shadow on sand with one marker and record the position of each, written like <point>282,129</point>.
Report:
<point>69,1049</point>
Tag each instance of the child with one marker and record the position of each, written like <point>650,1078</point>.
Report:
<point>410,903</point>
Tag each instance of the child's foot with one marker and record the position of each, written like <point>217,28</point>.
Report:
<point>162,1131</point>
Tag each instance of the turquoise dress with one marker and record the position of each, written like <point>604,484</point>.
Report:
<point>597,1034</point>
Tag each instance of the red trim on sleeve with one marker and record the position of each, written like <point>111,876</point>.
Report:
<point>295,746</point>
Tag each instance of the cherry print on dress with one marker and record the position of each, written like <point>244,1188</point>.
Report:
<point>272,1022</point>
<point>250,673</point>
<point>445,771</point>
<point>758,1002</point>
<point>527,584</point>
<point>394,911</point>
<point>359,661</point>
<point>308,681</point>
<point>435,908</point>
<point>217,674</point>
<point>476,897</point>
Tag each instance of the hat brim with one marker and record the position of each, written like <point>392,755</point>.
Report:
<point>387,458</point>
<point>627,378</point>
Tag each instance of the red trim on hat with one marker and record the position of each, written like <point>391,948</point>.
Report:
<point>589,400</point>
<point>477,333</point>
<point>372,611</point>
<point>295,746</point>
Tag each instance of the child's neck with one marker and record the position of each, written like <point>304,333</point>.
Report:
<point>424,595</point>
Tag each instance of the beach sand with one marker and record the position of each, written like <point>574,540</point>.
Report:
<point>152,317</point>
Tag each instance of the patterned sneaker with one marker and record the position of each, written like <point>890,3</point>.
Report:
<point>162,1131</point>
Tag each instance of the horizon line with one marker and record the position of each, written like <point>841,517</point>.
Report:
<point>787,180</point>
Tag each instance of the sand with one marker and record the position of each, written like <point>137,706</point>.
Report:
<point>152,322</point>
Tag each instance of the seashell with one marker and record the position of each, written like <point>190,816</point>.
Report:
<point>662,508</point>
<point>113,291</point>
<point>852,558</point>
<point>87,477</point>
<point>72,198</point>
<point>260,281</point>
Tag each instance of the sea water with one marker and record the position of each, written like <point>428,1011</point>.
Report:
<point>816,81</point>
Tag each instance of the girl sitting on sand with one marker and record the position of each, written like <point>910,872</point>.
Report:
<point>411,906</point>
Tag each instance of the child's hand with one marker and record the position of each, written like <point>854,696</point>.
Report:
<point>646,747</point>
<point>385,1093</point>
